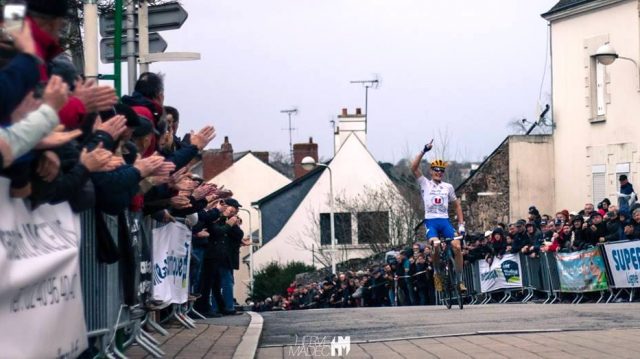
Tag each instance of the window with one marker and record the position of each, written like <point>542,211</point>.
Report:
<point>600,93</point>
<point>342,228</point>
<point>373,227</point>
<point>598,173</point>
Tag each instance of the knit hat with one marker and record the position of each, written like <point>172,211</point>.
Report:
<point>53,8</point>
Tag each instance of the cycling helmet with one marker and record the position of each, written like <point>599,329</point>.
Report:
<point>438,163</point>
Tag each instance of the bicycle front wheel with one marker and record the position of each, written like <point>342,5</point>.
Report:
<point>456,286</point>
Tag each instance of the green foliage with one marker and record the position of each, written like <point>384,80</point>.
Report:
<point>275,278</point>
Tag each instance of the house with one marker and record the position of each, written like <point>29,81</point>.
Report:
<point>294,220</point>
<point>595,106</point>
<point>250,177</point>
<point>516,175</point>
<point>595,135</point>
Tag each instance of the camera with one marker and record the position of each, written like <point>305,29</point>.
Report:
<point>14,13</point>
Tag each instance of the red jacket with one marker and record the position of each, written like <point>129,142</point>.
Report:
<point>48,48</point>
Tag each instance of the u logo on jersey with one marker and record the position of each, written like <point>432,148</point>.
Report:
<point>437,200</point>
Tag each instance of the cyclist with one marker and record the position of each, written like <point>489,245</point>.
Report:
<point>436,196</point>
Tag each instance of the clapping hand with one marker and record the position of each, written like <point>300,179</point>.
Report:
<point>203,137</point>
<point>58,138</point>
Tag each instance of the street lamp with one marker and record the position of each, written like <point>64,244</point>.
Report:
<point>308,163</point>
<point>607,55</point>
<point>250,250</point>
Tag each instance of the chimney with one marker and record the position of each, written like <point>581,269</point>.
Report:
<point>300,151</point>
<point>215,162</point>
<point>354,123</point>
<point>262,156</point>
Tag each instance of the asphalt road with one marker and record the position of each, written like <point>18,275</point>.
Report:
<point>383,324</point>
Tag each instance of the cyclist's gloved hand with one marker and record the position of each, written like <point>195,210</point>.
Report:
<point>428,147</point>
<point>461,229</point>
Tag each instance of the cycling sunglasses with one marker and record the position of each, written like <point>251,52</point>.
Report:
<point>438,169</point>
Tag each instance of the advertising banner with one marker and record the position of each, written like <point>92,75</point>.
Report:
<point>582,271</point>
<point>501,273</point>
<point>171,248</point>
<point>624,261</point>
<point>41,308</point>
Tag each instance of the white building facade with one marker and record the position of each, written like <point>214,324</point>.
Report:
<point>595,107</point>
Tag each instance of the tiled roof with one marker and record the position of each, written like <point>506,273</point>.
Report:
<point>564,5</point>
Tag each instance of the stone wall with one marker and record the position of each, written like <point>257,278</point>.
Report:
<point>485,194</point>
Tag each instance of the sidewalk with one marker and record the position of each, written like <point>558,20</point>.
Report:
<point>616,344</point>
<point>212,338</point>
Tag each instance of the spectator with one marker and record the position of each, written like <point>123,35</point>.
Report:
<point>586,212</point>
<point>561,238</point>
<point>520,238</point>
<point>596,230</point>
<point>614,227</point>
<point>632,228</point>
<point>534,240</point>
<point>603,207</point>
<point>225,236</point>
<point>497,244</point>
<point>578,229</point>
<point>534,216</point>
<point>420,279</point>
<point>627,196</point>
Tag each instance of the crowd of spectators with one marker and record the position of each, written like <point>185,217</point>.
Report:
<point>64,138</point>
<point>407,276</point>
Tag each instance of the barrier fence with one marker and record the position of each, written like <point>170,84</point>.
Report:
<point>612,270</point>
<point>117,297</point>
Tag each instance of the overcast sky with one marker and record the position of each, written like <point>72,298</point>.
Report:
<point>462,67</point>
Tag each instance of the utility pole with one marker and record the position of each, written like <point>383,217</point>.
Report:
<point>367,84</point>
<point>143,34</point>
<point>290,112</point>
<point>131,46</point>
<point>91,38</point>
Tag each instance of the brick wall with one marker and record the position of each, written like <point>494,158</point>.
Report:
<point>300,151</point>
<point>216,161</point>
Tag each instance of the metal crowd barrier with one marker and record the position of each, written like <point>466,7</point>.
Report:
<point>101,290</point>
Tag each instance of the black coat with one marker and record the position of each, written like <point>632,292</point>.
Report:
<point>224,244</point>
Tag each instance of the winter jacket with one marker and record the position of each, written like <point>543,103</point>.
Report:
<point>16,80</point>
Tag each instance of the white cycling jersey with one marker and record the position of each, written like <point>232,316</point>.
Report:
<point>436,198</point>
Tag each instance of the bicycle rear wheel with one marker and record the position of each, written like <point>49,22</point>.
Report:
<point>448,290</point>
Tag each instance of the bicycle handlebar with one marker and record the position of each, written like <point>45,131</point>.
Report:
<point>437,241</point>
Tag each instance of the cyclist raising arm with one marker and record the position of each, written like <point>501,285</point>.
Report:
<point>436,196</point>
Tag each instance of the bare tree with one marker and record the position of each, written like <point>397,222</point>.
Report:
<point>282,162</point>
<point>320,256</point>
<point>381,218</point>
<point>72,40</point>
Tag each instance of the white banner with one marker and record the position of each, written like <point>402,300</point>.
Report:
<point>624,261</point>
<point>41,309</point>
<point>171,256</point>
<point>502,273</point>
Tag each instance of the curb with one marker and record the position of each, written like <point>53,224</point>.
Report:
<point>249,343</point>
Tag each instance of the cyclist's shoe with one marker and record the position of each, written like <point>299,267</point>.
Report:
<point>437,282</point>
<point>463,288</point>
